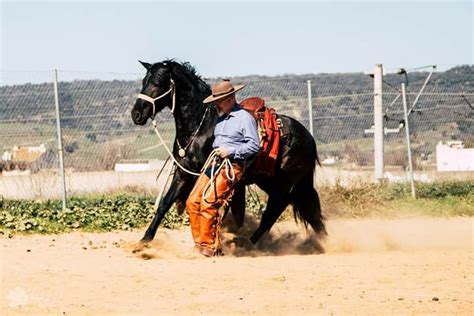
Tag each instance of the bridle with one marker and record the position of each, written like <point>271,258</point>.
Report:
<point>182,151</point>
<point>172,89</point>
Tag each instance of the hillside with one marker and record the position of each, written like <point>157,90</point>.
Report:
<point>96,113</point>
<point>35,100</point>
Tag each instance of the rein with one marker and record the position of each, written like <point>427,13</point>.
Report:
<point>182,151</point>
<point>211,160</point>
<point>155,127</point>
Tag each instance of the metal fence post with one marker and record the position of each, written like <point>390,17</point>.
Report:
<point>378,124</point>
<point>60,143</point>
<point>407,132</point>
<point>310,109</point>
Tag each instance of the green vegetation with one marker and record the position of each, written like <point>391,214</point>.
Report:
<point>448,198</point>
<point>103,213</point>
<point>128,211</point>
<point>27,134</point>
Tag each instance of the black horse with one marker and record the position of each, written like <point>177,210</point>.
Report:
<point>292,182</point>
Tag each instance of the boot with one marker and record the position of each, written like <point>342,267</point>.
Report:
<point>209,237</point>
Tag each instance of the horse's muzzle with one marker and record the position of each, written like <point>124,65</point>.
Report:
<point>138,118</point>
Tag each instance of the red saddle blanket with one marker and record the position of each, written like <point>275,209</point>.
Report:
<point>269,134</point>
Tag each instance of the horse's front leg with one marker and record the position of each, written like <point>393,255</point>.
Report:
<point>165,204</point>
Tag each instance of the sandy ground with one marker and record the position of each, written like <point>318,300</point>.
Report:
<point>409,267</point>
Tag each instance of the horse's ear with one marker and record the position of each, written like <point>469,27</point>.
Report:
<point>144,64</point>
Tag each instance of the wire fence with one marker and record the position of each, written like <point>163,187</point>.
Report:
<point>98,132</point>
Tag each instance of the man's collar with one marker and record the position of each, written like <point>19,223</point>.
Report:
<point>234,109</point>
<point>231,113</point>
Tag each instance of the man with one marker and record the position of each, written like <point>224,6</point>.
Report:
<point>235,138</point>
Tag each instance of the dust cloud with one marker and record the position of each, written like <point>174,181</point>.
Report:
<point>344,236</point>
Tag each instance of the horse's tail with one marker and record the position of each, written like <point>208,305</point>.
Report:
<point>317,157</point>
<point>306,204</point>
<point>316,153</point>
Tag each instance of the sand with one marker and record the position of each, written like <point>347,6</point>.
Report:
<point>406,266</point>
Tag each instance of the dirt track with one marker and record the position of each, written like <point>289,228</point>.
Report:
<point>411,266</point>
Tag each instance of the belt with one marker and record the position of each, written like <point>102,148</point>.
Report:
<point>240,162</point>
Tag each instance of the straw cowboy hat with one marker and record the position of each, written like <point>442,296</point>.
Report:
<point>222,90</point>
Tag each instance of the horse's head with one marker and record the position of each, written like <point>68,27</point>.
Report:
<point>156,93</point>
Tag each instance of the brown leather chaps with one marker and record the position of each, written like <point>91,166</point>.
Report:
<point>205,213</point>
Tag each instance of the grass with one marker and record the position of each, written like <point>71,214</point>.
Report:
<point>450,206</point>
<point>87,152</point>
<point>130,210</point>
<point>134,142</point>
<point>359,199</point>
<point>31,134</point>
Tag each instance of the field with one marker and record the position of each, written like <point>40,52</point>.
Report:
<point>410,266</point>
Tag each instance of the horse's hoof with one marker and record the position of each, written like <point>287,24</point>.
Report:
<point>243,242</point>
<point>145,240</point>
<point>253,241</point>
<point>140,247</point>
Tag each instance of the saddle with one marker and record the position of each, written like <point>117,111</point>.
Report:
<point>269,131</point>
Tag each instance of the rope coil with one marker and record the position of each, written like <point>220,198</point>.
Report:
<point>212,161</point>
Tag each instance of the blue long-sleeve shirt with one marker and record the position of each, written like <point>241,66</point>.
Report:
<point>237,132</point>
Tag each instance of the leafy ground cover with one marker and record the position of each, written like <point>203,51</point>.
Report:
<point>127,211</point>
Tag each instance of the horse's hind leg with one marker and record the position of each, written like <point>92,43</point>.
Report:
<point>277,202</point>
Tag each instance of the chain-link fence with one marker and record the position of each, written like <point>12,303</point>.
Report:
<point>343,123</point>
<point>98,133</point>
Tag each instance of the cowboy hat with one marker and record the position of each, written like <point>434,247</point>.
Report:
<point>221,90</point>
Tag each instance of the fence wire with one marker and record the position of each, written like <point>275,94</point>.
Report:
<point>98,131</point>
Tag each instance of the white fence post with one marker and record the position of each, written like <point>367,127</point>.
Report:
<point>310,108</point>
<point>378,123</point>
<point>407,132</point>
<point>60,142</point>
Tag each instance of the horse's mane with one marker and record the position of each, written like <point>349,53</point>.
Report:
<point>186,69</point>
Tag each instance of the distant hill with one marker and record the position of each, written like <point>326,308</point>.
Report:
<point>96,112</point>
<point>86,103</point>
<point>76,97</point>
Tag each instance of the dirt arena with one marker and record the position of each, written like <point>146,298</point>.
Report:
<point>407,266</point>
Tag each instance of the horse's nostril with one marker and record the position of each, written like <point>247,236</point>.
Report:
<point>136,116</point>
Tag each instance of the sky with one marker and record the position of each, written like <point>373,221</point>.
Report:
<point>234,38</point>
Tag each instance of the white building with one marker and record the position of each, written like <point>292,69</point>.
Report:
<point>452,156</point>
<point>139,165</point>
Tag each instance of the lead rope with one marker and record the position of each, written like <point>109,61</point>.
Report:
<point>211,161</point>
<point>155,127</point>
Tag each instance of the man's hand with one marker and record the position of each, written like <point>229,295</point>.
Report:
<point>222,152</point>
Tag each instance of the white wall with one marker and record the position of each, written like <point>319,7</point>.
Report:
<point>454,159</point>
<point>139,167</point>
